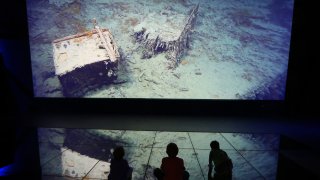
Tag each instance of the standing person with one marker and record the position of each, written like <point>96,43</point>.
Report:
<point>172,167</point>
<point>222,163</point>
<point>119,168</point>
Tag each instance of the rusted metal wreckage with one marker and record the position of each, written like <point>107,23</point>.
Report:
<point>85,61</point>
<point>89,60</point>
<point>172,37</point>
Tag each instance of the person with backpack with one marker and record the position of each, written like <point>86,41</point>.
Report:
<point>221,161</point>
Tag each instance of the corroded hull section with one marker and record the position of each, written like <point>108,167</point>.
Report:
<point>85,61</point>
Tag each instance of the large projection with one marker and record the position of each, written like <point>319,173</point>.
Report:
<point>87,153</point>
<point>173,49</point>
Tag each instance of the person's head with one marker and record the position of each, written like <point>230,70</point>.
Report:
<point>214,145</point>
<point>172,150</point>
<point>118,152</point>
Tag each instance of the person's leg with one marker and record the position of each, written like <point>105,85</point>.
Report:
<point>217,176</point>
<point>158,173</point>
<point>210,173</point>
<point>222,176</point>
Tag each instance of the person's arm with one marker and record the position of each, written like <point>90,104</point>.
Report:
<point>210,166</point>
<point>127,165</point>
<point>110,176</point>
<point>210,160</point>
<point>128,170</point>
<point>183,168</point>
<point>162,164</point>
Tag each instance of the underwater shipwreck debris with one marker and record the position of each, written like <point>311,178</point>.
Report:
<point>170,34</point>
<point>85,61</point>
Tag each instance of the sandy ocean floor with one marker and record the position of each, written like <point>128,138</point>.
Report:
<point>239,48</point>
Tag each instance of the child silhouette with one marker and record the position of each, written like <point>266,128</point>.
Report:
<point>119,168</point>
<point>222,163</point>
<point>172,167</point>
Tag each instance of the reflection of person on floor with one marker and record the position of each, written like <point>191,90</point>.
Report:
<point>119,168</point>
<point>172,167</point>
<point>222,163</point>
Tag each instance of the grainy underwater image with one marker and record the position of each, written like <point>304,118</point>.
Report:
<point>87,153</point>
<point>175,49</point>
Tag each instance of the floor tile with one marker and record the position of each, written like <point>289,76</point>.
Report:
<point>53,135</point>
<point>58,178</point>
<point>47,151</point>
<point>100,171</point>
<point>93,143</point>
<point>139,138</point>
<point>90,136</point>
<point>136,157</point>
<point>99,151</point>
<point>138,160</point>
<point>241,169</point>
<point>114,137</point>
<point>253,141</point>
<point>180,138</point>
<point>266,162</point>
<point>70,164</point>
<point>203,140</point>
<point>75,153</point>
<point>114,134</point>
<point>188,155</point>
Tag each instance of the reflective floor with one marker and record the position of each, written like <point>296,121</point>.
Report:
<point>86,153</point>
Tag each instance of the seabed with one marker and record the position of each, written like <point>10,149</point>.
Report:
<point>238,49</point>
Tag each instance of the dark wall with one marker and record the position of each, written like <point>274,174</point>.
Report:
<point>303,77</point>
<point>18,140</point>
<point>14,49</point>
<point>301,83</point>
<point>301,98</point>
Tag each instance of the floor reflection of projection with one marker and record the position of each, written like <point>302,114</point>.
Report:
<point>86,153</point>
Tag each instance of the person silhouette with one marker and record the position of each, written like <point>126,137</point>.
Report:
<point>222,163</point>
<point>119,168</point>
<point>172,167</point>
